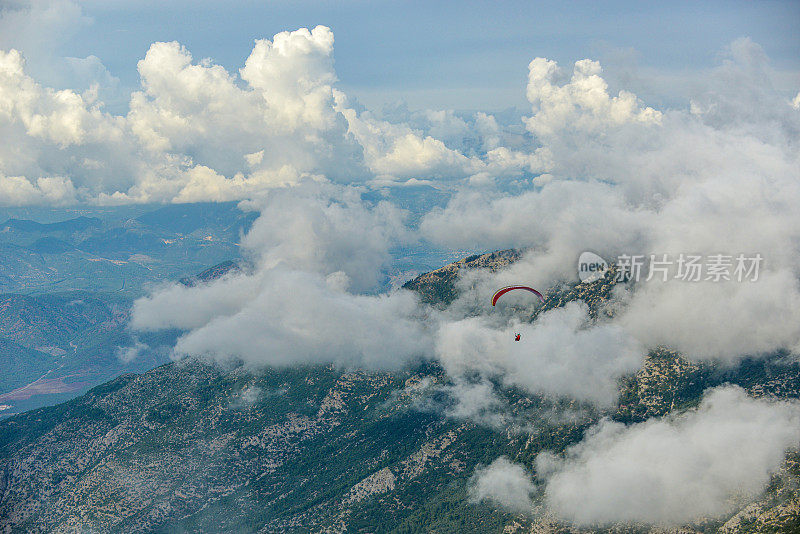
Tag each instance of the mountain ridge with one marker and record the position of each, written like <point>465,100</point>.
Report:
<point>194,447</point>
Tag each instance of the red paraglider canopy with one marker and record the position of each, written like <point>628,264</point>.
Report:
<point>503,290</point>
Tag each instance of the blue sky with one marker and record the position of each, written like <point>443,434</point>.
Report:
<point>439,55</point>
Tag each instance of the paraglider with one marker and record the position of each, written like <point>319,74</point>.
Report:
<point>503,290</point>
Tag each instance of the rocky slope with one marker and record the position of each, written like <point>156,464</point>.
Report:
<point>438,287</point>
<point>189,447</point>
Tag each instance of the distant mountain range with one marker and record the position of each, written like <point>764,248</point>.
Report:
<point>108,254</point>
<point>190,447</point>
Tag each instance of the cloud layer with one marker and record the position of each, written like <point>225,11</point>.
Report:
<point>672,470</point>
<point>315,250</point>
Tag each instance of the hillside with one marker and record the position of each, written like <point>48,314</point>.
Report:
<point>192,447</point>
<point>56,346</point>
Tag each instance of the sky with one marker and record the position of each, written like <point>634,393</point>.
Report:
<point>432,54</point>
<point>654,131</point>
